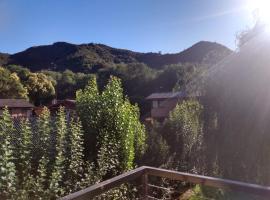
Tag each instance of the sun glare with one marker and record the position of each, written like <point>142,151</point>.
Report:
<point>261,9</point>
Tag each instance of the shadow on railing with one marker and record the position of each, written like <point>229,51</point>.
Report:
<point>145,172</point>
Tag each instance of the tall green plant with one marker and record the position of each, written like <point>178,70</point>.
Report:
<point>183,131</point>
<point>76,163</point>
<point>57,177</point>
<point>44,126</point>
<point>26,180</point>
<point>48,162</point>
<point>8,178</point>
<point>112,127</point>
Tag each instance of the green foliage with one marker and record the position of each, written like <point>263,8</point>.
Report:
<point>112,129</point>
<point>61,159</point>
<point>156,145</point>
<point>4,58</point>
<point>40,88</point>
<point>18,82</point>
<point>47,164</point>
<point>22,72</point>
<point>8,178</point>
<point>76,164</point>
<point>238,96</point>
<point>67,83</point>
<point>27,184</point>
<point>141,73</point>
<point>10,85</point>
<point>183,132</point>
<point>200,192</point>
<point>42,153</point>
<point>92,57</point>
<point>203,192</point>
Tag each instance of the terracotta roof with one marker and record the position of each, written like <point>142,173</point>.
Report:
<point>15,103</point>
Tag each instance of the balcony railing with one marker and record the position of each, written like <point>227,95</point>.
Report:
<point>145,172</point>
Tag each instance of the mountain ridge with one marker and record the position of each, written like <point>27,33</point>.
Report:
<point>91,57</point>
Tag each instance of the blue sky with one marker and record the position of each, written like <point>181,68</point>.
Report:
<point>139,25</point>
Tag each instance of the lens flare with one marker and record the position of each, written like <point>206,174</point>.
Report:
<point>261,9</point>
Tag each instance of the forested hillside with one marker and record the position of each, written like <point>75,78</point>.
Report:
<point>63,68</point>
<point>3,58</point>
<point>91,57</point>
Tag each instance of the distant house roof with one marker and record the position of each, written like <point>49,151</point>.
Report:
<point>67,103</point>
<point>15,103</point>
<point>167,95</point>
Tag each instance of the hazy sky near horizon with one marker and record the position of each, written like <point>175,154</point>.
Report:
<point>139,25</point>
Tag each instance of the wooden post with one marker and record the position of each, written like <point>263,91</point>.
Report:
<point>145,186</point>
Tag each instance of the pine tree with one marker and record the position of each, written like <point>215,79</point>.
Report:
<point>8,180</point>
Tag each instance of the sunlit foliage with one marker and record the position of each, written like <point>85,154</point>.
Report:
<point>114,135</point>
<point>10,85</point>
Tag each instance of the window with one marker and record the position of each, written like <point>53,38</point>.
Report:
<point>155,104</point>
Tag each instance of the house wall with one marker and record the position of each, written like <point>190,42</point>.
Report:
<point>19,112</point>
<point>163,109</point>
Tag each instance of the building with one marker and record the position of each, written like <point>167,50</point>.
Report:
<point>17,107</point>
<point>70,107</point>
<point>164,103</point>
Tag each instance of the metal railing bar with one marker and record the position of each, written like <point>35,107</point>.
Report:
<point>158,187</point>
<point>104,186</point>
<point>154,198</point>
<point>210,181</point>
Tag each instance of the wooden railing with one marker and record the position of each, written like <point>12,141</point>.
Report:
<point>145,172</point>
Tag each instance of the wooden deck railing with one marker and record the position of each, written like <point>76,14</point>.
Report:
<point>145,172</point>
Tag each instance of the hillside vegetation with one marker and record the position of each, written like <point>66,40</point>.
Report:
<point>3,58</point>
<point>68,67</point>
<point>91,57</point>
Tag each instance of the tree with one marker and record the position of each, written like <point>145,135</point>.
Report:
<point>183,132</point>
<point>44,155</point>
<point>26,183</point>
<point>40,88</point>
<point>61,159</point>
<point>22,72</point>
<point>10,85</point>
<point>75,169</point>
<point>42,164</point>
<point>238,96</point>
<point>156,145</point>
<point>111,126</point>
<point>8,180</point>
<point>249,34</point>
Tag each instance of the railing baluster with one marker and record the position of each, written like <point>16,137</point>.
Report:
<point>145,187</point>
<point>145,172</point>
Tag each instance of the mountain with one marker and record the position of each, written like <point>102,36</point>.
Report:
<point>3,58</point>
<point>201,52</point>
<point>90,57</point>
